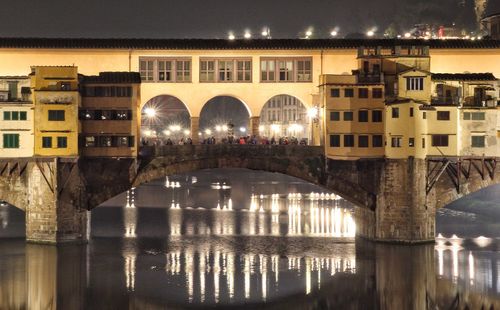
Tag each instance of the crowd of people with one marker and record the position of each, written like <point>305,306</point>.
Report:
<point>229,140</point>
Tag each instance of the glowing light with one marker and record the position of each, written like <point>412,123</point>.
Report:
<point>370,33</point>
<point>218,128</point>
<point>148,133</point>
<point>312,112</point>
<point>407,35</point>
<point>208,131</point>
<point>166,132</point>
<point>261,128</point>
<point>247,34</point>
<point>334,33</point>
<point>150,112</point>
<point>243,129</point>
<point>186,132</point>
<point>275,127</point>
<point>224,127</point>
<point>231,36</point>
<point>309,33</point>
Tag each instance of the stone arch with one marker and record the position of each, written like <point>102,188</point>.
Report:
<point>224,111</point>
<point>165,117</point>
<point>243,101</point>
<point>284,115</point>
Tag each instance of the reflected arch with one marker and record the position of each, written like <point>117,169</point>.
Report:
<point>224,116</point>
<point>285,116</point>
<point>165,118</point>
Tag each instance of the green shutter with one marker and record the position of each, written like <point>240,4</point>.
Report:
<point>6,116</point>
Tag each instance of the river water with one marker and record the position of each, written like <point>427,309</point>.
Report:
<point>246,239</point>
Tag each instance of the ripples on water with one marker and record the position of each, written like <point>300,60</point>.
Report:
<point>240,238</point>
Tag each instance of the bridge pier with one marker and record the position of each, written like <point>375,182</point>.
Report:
<point>195,128</point>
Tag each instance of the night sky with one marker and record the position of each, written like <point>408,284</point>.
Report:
<point>214,18</point>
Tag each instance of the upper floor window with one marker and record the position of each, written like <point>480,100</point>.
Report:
<point>334,92</point>
<point>439,140</point>
<point>56,115</point>
<point>165,70</point>
<point>377,116</point>
<point>107,91</point>
<point>477,141</point>
<point>363,92</point>
<point>225,70</point>
<point>286,70</point>
<point>10,141</point>
<point>414,83</point>
<point>395,112</point>
<point>348,92</point>
<point>475,116</point>
<point>377,93</point>
<point>15,115</point>
<point>443,115</point>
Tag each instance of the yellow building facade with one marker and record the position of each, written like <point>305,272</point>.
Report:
<point>56,102</point>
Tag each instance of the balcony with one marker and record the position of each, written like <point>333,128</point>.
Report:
<point>370,78</point>
<point>445,101</point>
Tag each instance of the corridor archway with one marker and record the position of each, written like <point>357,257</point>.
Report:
<point>165,119</point>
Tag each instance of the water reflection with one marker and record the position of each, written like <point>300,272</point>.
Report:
<point>243,239</point>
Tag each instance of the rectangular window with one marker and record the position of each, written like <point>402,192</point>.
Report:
<point>363,92</point>
<point>348,116</point>
<point>334,92</point>
<point>62,142</point>
<point>467,116</point>
<point>165,70</point>
<point>443,115</point>
<point>415,83</point>
<point>285,70</point>
<point>46,142</point>
<point>11,141</point>
<point>90,142</point>
<point>334,140</point>
<point>6,116</point>
<point>363,116</point>
<point>439,140</point>
<point>15,115</point>
<point>183,70</point>
<point>424,115</point>
<point>411,142</point>
<point>244,70</point>
<point>477,116</point>
<point>395,112</point>
<point>377,141</point>
<point>23,115</point>
<point>478,141</point>
<point>304,73</point>
<point>377,93</point>
<point>411,112</point>
<point>268,70</point>
<point>348,92</point>
<point>377,116</point>
<point>146,69</point>
<point>362,141</point>
<point>423,143</point>
<point>207,71</point>
<point>335,116</point>
<point>348,140</point>
<point>56,115</point>
<point>396,141</point>
<point>225,70</point>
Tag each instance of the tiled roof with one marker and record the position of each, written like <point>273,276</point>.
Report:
<point>463,77</point>
<point>112,78</point>
<point>240,44</point>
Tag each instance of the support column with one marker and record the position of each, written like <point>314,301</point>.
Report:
<point>195,128</point>
<point>56,195</point>
<point>404,213</point>
<point>254,124</point>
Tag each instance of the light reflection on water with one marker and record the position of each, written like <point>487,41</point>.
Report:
<point>238,238</point>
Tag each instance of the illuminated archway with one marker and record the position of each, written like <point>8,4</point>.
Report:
<point>285,116</point>
<point>165,119</point>
<point>224,116</point>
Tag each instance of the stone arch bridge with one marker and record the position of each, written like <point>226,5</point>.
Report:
<point>396,199</point>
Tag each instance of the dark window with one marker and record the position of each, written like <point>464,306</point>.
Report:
<point>395,112</point>
<point>477,116</point>
<point>415,83</point>
<point>335,92</point>
<point>439,140</point>
<point>376,116</point>
<point>335,116</point>
<point>424,115</point>
<point>349,92</point>
<point>334,140</point>
<point>56,115</point>
<point>443,115</point>
<point>363,92</point>
<point>411,142</point>
<point>362,116</point>
<point>396,141</point>
<point>411,112</point>
<point>377,93</point>
<point>65,86</point>
<point>90,141</point>
<point>46,142</point>
<point>105,141</point>
<point>423,143</point>
<point>466,116</point>
<point>348,140</point>
<point>377,141</point>
<point>348,116</point>
<point>23,115</point>
<point>62,142</point>
<point>6,116</point>
<point>362,141</point>
<point>15,115</point>
<point>11,141</point>
<point>477,141</point>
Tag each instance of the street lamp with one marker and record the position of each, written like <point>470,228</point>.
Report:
<point>333,33</point>
<point>243,129</point>
<point>150,112</point>
<point>370,33</point>
<point>247,34</point>
<point>231,36</point>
